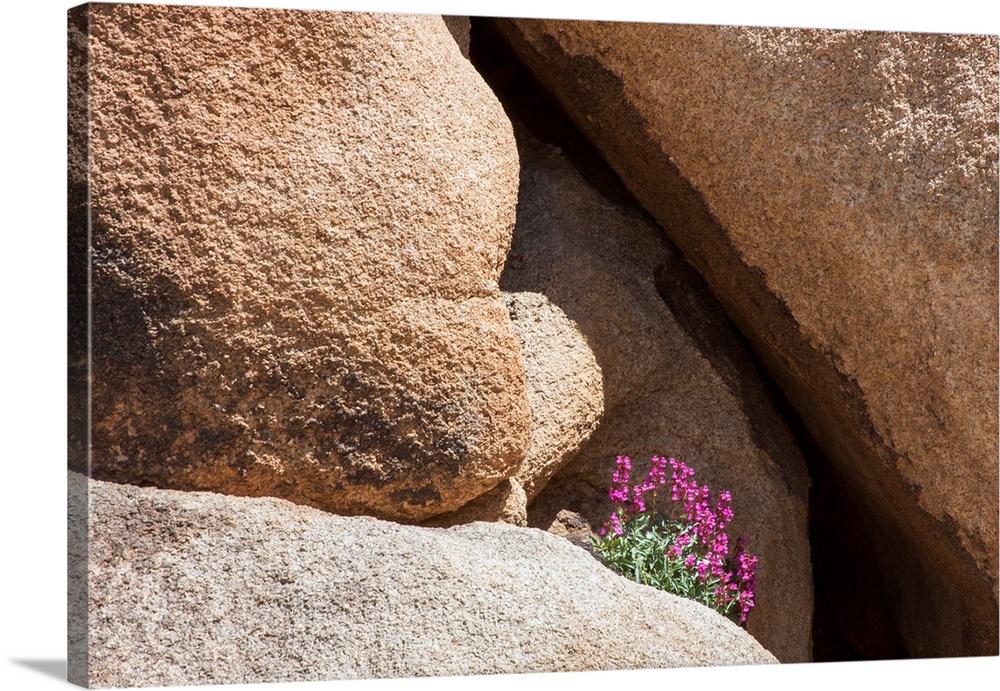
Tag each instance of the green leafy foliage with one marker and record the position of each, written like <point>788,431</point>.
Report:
<point>683,550</point>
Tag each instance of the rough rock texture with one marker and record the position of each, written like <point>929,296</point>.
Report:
<point>566,400</point>
<point>77,287</point>
<point>675,380</point>
<point>299,223</point>
<point>505,503</point>
<point>565,392</point>
<point>459,28</point>
<point>202,588</point>
<point>573,527</point>
<point>838,191</point>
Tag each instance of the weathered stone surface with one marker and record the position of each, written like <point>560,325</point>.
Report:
<point>573,527</point>
<point>299,221</point>
<point>77,287</point>
<point>838,191</point>
<point>203,588</point>
<point>566,400</point>
<point>565,392</point>
<point>505,503</point>
<point>675,381</point>
<point>459,28</point>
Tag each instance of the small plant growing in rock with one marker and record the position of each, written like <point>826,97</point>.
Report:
<point>684,549</point>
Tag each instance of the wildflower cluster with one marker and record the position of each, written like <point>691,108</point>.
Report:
<point>684,550</point>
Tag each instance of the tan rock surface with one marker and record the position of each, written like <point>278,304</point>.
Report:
<point>299,223</point>
<point>566,400</point>
<point>838,190</point>
<point>505,503</point>
<point>203,588</point>
<point>565,387</point>
<point>674,380</point>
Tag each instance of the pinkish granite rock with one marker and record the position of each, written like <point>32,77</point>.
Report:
<point>838,192</point>
<point>299,221</point>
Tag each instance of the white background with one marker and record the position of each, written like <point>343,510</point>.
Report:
<point>32,560</point>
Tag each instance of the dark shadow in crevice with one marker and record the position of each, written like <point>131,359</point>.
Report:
<point>852,617</point>
<point>527,103</point>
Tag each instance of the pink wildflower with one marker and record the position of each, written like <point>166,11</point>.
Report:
<point>700,542</point>
<point>638,504</point>
<point>616,524</point>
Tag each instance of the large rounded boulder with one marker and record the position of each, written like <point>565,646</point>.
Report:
<point>298,224</point>
<point>202,588</point>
